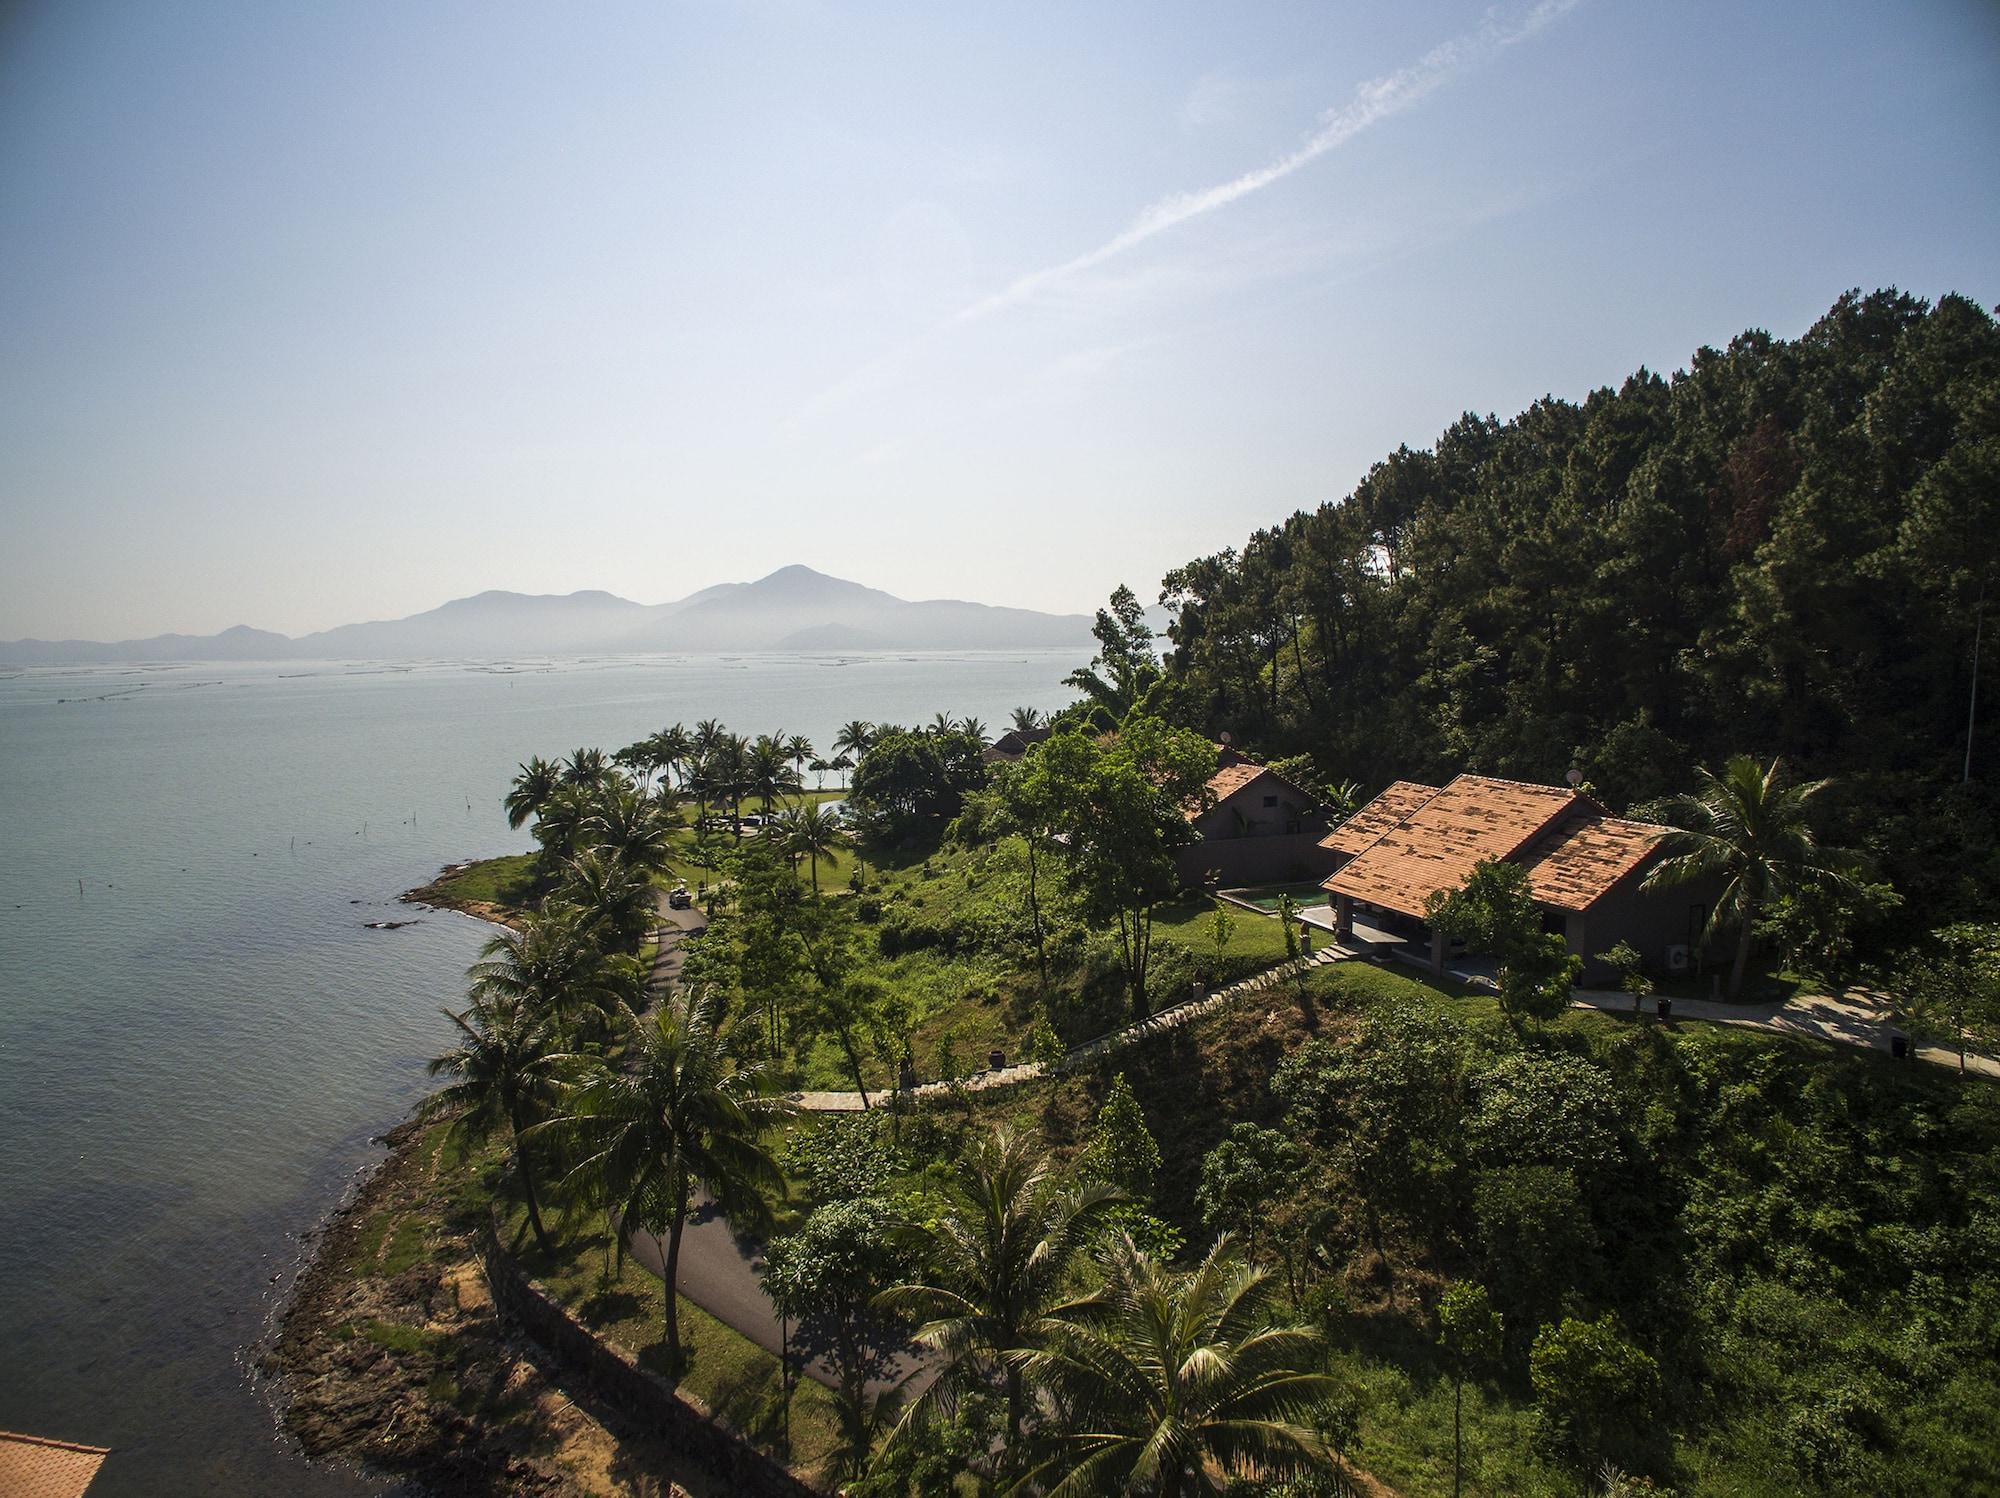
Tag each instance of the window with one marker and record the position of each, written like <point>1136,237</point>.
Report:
<point>1270,800</point>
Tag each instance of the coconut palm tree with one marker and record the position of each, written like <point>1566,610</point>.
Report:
<point>798,749</point>
<point>679,1114</point>
<point>672,748</point>
<point>1028,719</point>
<point>731,769</point>
<point>854,737</point>
<point>768,772</point>
<point>1749,829</point>
<point>531,790</point>
<point>1159,1380</point>
<point>813,832</point>
<point>1000,1250</point>
<point>505,1063</point>
<point>632,828</point>
<point>612,900</point>
<point>553,968</point>
<point>586,767</point>
<point>942,724</point>
<point>974,728</point>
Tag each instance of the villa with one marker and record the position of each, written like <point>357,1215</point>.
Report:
<point>1253,827</point>
<point>1585,868</point>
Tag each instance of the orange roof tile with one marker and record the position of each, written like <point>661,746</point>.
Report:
<point>1234,776</point>
<point>1578,864</point>
<point>31,1467</point>
<point>1471,820</point>
<point>1377,817</point>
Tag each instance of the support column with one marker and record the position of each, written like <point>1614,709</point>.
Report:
<point>1437,953</point>
<point>1343,917</point>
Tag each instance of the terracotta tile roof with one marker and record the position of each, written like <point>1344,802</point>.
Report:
<point>1471,820</point>
<point>1230,779</point>
<point>1377,817</point>
<point>1236,774</point>
<point>31,1467</point>
<point>1576,865</point>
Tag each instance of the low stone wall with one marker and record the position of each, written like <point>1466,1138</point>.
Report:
<point>706,1437</point>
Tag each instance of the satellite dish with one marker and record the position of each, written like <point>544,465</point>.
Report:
<point>1223,738</point>
<point>1575,777</point>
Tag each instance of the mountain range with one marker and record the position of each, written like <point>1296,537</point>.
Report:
<point>795,608</point>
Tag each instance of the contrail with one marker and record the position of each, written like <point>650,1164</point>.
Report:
<point>1373,101</point>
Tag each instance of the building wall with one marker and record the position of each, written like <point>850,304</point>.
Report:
<point>1651,920</point>
<point>1254,860</point>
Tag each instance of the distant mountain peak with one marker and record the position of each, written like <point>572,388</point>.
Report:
<point>795,607</point>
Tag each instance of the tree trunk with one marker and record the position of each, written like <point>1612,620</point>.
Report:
<point>854,1065</point>
<point>528,1190</point>
<point>1742,958</point>
<point>672,1277</point>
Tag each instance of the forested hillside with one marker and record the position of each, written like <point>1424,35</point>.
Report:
<point>1784,549</point>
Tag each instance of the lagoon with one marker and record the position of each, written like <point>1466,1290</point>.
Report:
<point>199,1038</point>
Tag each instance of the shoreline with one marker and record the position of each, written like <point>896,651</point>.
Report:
<point>389,1355</point>
<point>437,895</point>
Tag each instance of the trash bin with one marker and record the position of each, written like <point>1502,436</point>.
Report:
<point>1899,1046</point>
<point>1666,1008</point>
<point>996,1059</point>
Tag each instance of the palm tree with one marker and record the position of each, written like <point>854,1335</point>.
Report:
<point>730,770</point>
<point>1160,1379</point>
<point>1749,829</point>
<point>531,791</point>
<point>505,1063</point>
<point>632,828</point>
<point>672,748</point>
<point>553,969</point>
<point>613,900</point>
<point>1000,1250</point>
<point>1028,719</point>
<point>798,749</point>
<point>677,1115</point>
<point>854,738</point>
<point>586,767</point>
<point>974,728</point>
<point>943,724</point>
<point>811,831</point>
<point>768,772</point>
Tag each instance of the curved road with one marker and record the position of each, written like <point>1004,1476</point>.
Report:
<point>718,1271</point>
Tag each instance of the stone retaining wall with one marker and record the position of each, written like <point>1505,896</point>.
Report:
<point>710,1440</point>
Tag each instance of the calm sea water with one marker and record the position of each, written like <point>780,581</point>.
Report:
<point>198,1038</point>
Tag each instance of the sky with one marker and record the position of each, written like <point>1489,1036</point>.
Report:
<point>312,314</point>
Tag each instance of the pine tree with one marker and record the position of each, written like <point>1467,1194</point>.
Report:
<point>1122,1151</point>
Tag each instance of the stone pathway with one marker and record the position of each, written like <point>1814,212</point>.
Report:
<point>1855,1018</point>
<point>1012,1076</point>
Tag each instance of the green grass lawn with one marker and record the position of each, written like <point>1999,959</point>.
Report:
<point>505,881</point>
<point>1192,925</point>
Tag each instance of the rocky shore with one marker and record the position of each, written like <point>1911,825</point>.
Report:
<point>391,1354</point>
<point>440,895</point>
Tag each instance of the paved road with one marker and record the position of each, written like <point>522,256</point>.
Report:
<point>718,1271</point>
<point>675,927</point>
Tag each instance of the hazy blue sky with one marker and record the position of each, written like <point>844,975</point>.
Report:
<point>318,313</point>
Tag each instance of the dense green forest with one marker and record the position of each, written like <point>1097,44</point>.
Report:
<point>1785,549</point>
